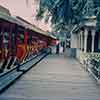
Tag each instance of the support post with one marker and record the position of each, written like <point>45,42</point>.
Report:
<point>80,41</point>
<point>93,38</point>
<point>81,33</point>
<point>85,40</point>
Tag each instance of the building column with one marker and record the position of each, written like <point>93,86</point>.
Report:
<point>85,39</point>
<point>93,38</point>
<point>81,33</point>
<point>80,41</point>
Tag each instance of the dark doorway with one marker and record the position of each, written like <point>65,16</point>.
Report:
<point>89,42</point>
<point>96,49</point>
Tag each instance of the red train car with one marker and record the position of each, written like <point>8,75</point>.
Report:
<point>19,40</point>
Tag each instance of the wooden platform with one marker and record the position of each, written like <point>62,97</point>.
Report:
<point>55,78</point>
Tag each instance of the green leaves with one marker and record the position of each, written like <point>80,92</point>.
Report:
<point>89,8</point>
<point>59,9</point>
<point>67,13</point>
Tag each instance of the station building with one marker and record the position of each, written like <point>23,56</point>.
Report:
<point>85,40</point>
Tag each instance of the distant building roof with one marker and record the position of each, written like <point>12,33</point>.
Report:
<point>87,22</point>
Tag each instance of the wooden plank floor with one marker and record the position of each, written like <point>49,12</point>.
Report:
<point>54,78</point>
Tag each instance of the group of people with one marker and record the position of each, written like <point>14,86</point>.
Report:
<point>60,48</point>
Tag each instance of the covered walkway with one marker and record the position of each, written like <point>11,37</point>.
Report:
<point>55,78</point>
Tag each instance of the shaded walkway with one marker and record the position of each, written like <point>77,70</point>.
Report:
<point>55,78</point>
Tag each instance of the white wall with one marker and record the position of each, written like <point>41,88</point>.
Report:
<point>74,38</point>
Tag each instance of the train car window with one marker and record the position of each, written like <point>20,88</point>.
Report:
<point>29,38</point>
<point>13,35</point>
<point>6,39</point>
<point>13,39</point>
<point>6,36</point>
<point>21,38</point>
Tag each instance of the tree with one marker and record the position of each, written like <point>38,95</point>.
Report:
<point>67,13</point>
<point>97,12</point>
<point>58,9</point>
<point>77,8</point>
<point>89,8</point>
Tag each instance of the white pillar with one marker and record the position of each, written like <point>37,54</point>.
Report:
<point>81,33</point>
<point>93,38</point>
<point>80,41</point>
<point>85,39</point>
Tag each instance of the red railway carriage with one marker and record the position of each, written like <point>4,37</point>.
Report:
<point>7,43</point>
<point>36,38</point>
<point>19,40</point>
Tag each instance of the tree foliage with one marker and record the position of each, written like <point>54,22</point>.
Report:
<point>68,12</point>
<point>58,9</point>
<point>97,12</point>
